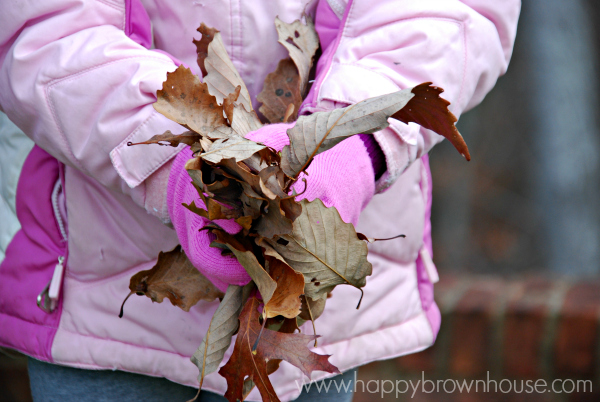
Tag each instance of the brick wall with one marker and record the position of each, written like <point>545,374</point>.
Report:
<point>526,329</point>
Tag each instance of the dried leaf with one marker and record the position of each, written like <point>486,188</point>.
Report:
<point>313,309</point>
<point>221,132</point>
<point>237,148</point>
<point>281,89</point>
<point>229,103</point>
<point>290,285</point>
<point>428,110</point>
<point>221,188</point>
<point>266,285</point>
<point>302,42</point>
<point>222,326</point>
<point>202,45</point>
<point>187,101</point>
<point>284,89</point>
<point>189,138</point>
<point>321,131</point>
<point>325,249</point>
<point>244,121</point>
<point>271,180</point>
<point>175,278</point>
<point>221,76</point>
<point>273,345</point>
<point>273,221</point>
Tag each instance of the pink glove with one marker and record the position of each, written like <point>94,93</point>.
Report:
<point>220,270</point>
<point>343,177</point>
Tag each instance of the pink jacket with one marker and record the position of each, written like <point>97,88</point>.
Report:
<point>77,76</point>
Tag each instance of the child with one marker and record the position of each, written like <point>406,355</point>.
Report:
<point>79,78</point>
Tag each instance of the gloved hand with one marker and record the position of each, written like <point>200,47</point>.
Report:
<point>343,177</point>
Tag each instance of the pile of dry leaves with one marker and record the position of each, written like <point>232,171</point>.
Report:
<point>295,252</point>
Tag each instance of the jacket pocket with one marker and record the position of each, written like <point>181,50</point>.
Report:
<point>48,298</point>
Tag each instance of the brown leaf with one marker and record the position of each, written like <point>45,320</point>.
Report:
<point>221,132</point>
<point>302,43</point>
<point>229,103</point>
<point>428,110</point>
<point>271,182</point>
<point>244,121</point>
<point>313,310</point>
<point>189,138</point>
<point>321,131</point>
<point>290,285</point>
<point>221,76</point>
<point>221,188</point>
<point>234,147</point>
<point>202,45</point>
<point>243,253</point>
<point>272,345</point>
<point>281,89</point>
<point>187,101</point>
<point>175,278</point>
<point>245,222</point>
<point>223,81</point>
<point>273,221</point>
<point>223,325</point>
<point>325,249</point>
<point>291,208</point>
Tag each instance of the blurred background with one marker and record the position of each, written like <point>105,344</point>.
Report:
<point>516,231</point>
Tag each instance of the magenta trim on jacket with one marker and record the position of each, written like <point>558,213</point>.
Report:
<point>31,258</point>
<point>137,24</point>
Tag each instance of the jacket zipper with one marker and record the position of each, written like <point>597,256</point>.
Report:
<point>47,300</point>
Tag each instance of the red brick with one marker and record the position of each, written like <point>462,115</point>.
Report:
<point>524,326</point>
<point>577,332</point>
<point>471,332</point>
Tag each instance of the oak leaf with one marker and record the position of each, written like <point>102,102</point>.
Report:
<point>246,363</point>
<point>430,111</point>
<point>187,101</point>
<point>208,34</point>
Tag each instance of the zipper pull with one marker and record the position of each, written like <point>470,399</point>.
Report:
<point>47,300</point>
<point>432,272</point>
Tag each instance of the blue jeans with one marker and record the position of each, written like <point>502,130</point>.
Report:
<point>54,383</point>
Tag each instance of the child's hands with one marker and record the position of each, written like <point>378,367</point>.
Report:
<point>221,271</point>
<point>342,177</point>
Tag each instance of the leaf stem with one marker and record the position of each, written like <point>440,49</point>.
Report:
<point>312,320</point>
<point>123,304</point>
<point>259,334</point>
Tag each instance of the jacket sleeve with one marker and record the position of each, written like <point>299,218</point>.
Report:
<point>383,46</point>
<point>78,78</point>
